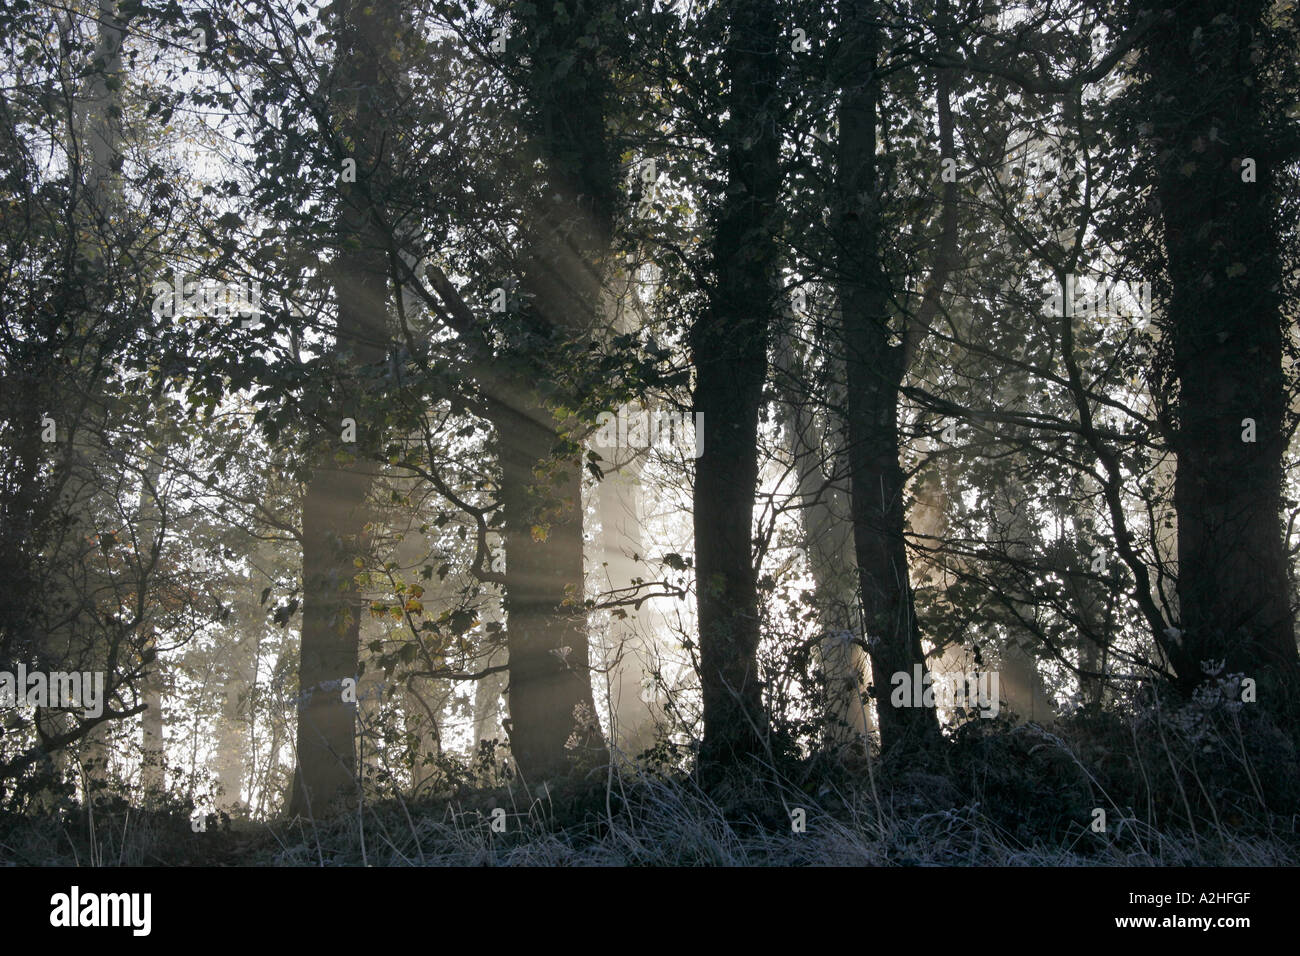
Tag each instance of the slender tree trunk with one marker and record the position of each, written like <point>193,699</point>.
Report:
<point>489,690</point>
<point>1020,682</point>
<point>95,764</point>
<point>153,754</point>
<point>629,652</point>
<point>427,744</point>
<point>101,127</point>
<point>552,710</point>
<point>52,723</point>
<point>875,368</point>
<point>229,762</point>
<point>729,348</point>
<point>828,545</point>
<point>153,769</point>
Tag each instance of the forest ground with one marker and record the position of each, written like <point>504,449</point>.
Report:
<point>999,795</point>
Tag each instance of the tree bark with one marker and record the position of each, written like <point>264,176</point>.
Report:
<point>153,769</point>
<point>552,719</point>
<point>552,710</point>
<point>874,369</point>
<point>1222,242</point>
<point>334,514</point>
<point>489,690</point>
<point>729,348</point>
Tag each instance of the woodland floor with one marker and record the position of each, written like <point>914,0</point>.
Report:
<point>1004,796</point>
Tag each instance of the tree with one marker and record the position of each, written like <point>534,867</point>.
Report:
<point>729,342</point>
<point>567,229</point>
<point>877,359</point>
<point>1216,82</point>
<point>334,517</point>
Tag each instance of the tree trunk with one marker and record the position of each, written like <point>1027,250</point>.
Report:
<point>729,347</point>
<point>629,654</point>
<point>1020,681</point>
<point>229,762</point>
<point>103,122</point>
<point>828,546</point>
<point>552,711</point>
<point>875,368</point>
<point>567,234</point>
<point>102,125</point>
<point>334,514</point>
<point>1221,236</point>
<point>489,690</point>
<point>153,767</point>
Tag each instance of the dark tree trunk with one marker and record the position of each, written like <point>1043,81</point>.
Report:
<point>729,346</point>
<point>874,371</point>
<point>1225,314</point>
